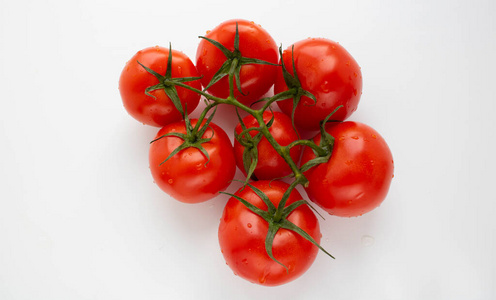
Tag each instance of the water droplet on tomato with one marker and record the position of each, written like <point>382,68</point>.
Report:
<point>348,63</point>
<point>355,92</point>
<point>170,181</point>
<point>355,137</point>
<point>325,86</point>
<point>367,240</point>
<point>262,279</point>
<point>249,225</point>
<point>374,136</point>
<point>199,166</point>
<point>359,195</point>
<point>245,261</point>
<point>291,267</point>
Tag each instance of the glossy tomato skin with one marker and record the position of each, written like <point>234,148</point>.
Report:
<point>270,164</point>
<point>357,177</point>
<point>187,176</point>
<point>330,73</point>
<point>134,80</point>
<point>254,42</point>
<point>242,237</point>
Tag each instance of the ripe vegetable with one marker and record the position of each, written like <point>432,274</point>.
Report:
<point>219,51</point>
<point>190,167</point>
<point>243,235</point>
<point>327,71</point>
<point>254,148</point>
<point>143,93</point>
<point>357,177</point>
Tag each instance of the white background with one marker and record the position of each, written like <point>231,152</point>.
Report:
<point>80,216</point>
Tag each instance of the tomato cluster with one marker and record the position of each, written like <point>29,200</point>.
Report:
<point>268,234</point>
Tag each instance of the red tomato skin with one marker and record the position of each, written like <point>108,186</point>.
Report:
<point>270,164</point>
<point>254,42</point>
<point>134,80</point>
<point>242,237</point>
<point>185,177</point>
<point>357,177</point>
<point>330,73</point>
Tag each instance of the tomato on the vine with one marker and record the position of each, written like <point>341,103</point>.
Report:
<point>156,109</point>
<point>242,236</point>
<point>270,164</point>
<point>357,177</point>
<point>189,176</point>
<point>254,42</point>
<point>330,73</point>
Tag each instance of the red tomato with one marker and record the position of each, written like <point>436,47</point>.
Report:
<point>187,176</point>
<point>357,177</point>
<point>330,73</point>
<point>270,164</point>
<point>254,42</point>
<point>134,80</point>
<point>242,237</point>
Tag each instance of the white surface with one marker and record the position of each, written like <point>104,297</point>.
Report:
<point>80,217</point>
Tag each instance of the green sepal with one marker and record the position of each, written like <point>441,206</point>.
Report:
<point>250,153</point>
<point>171,92</point>
<point>313,162</point>
<point>256,61</point>
<point>291,82</point>
<point>234,62</point>
<point>250,162</point>
<point>176,134</point>
<point>167,83</point>
<point>180,148</point>
<point>221,73</point>
<point>203,129</point>
<point>269,241</point>
<point>260,212</point>
<point>291,226</point>
<point>289,209</point>
<point>227,52</point>
<point>270,206</point>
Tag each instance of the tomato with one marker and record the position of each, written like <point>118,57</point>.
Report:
<point>242,236</point>
<point>187,176</point>
<point>330,73</point>
<point>254,42</point>
<point>270,164</point>
<point>357,177</point>
<point>159,109</point>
